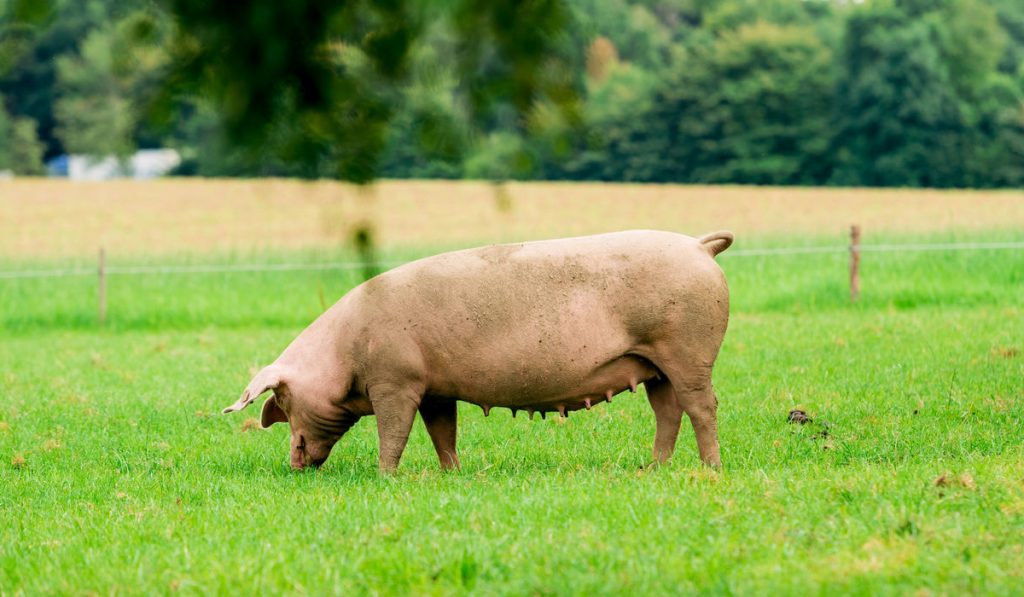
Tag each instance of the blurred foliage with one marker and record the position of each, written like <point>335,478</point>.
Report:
<point>882,92</point>
<point>21,152</point>
<point>322,82</point>
<point>99,87</point>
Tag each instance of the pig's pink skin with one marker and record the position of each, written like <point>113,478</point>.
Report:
<point>542,326</point>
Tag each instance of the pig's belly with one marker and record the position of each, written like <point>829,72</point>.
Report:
<point>555,386</point>
<point>573,351</point>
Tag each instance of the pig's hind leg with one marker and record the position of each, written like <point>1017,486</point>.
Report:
<point>701,405</point>
<point>440,418</point>
<point>691,386</point>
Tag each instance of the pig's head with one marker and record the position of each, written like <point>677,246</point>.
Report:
<point>317,420</point>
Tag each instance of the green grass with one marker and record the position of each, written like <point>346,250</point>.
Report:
<point>116,475</point>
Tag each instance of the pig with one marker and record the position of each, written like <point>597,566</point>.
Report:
<point>547,326</point>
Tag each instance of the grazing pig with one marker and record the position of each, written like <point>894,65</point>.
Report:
<point>549,326</point>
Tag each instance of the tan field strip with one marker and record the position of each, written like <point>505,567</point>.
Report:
<point>46,219</point>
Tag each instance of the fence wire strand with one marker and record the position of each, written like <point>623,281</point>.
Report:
<point>130,270</point>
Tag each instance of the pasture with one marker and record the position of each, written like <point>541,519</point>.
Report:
<point>119,475</point>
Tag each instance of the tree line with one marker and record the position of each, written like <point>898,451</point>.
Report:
<point>786,92</point>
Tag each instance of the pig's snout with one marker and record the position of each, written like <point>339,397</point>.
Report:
<point>299,457</point>
<point>298,465</point>
<point>302,461</point>
<point>302,456</point>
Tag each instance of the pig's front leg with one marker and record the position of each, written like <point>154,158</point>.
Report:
<point>395,408</point>
<point>440,419</point>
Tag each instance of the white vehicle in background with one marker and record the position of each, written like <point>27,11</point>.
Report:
<point>142,165</point>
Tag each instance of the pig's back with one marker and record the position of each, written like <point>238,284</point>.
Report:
<point>500,283</point>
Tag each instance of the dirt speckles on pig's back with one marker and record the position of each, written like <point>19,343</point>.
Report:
<point>554,311</point>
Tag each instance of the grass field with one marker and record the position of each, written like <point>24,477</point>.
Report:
<point>118,476</point>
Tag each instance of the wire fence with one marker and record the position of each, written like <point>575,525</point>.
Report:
<point>880,248</point>
<point>129,270</point>
<point>102,271</point>
<point>192,269</point>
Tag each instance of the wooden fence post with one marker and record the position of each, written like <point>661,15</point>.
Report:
<point>854,262</point>
<point>102,289</point>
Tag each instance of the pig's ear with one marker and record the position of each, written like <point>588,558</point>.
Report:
<point>272,413</point>
<point>267,379</point>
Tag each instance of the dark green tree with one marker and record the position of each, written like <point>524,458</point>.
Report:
<point>624,141</point>
<point>921,102</point>
<point>21,152</point>
<point>754,107</point>
<point>34,34</point>
<point>899,117</point>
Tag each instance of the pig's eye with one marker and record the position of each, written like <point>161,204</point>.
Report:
<point>302,443</point>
